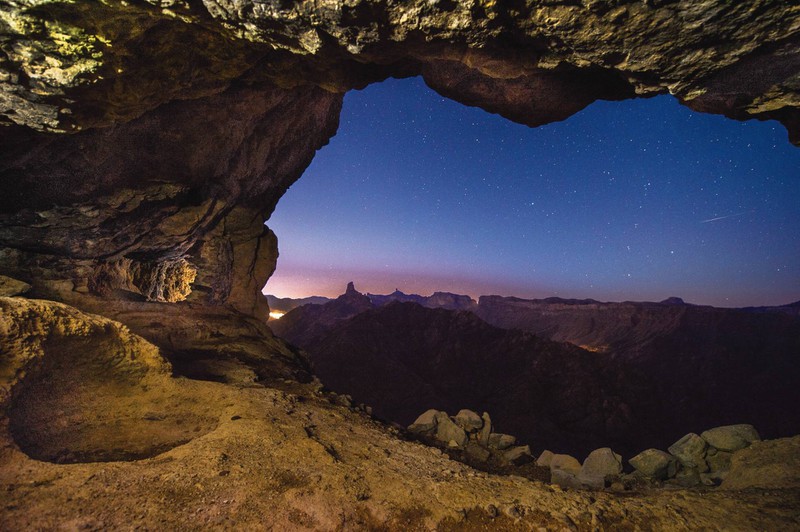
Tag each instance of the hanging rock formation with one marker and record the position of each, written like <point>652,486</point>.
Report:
<point>138,135</point>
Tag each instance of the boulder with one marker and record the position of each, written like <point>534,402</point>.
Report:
<point>600,463</point>
<point>565,462</point>
<point>731,437</point>
<point>501,441</point>
<point>425,423</point>
<point>476,452</point>
<point>518,455</point>
<point>545,458</point>
<point>469,420</point>
<point>486,430</point>
<point>690,452</point>
<point>591,481</point>
<point>710,479</point>
<point>655,463</point>
<point>687,477</point>
<point>719,462</point>
<point>564,478</point>
<point>447,431</point>
<point>10,287</point>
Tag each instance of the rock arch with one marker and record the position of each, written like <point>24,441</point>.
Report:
<point>137,136</point>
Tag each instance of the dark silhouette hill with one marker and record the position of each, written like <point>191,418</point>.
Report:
<point>403,358</point>
<point>446,300</point>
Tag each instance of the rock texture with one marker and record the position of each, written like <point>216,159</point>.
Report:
<point>11,287</point>
<point>138,136</point>
<point>81,388</point>
<point>189,454</point>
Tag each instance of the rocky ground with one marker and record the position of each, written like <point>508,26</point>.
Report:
<point>141,449</point>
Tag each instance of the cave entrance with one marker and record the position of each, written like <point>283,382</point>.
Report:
<point>638,200</point>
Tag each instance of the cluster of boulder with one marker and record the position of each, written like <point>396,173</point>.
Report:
<point>601,468</point>
<point>693,460</point>
<point>472,434</point>
<point>690,461</point>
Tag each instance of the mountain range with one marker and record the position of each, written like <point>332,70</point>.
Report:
<point>570,375</point>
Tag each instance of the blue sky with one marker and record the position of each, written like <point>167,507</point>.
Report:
<point>634,200</point>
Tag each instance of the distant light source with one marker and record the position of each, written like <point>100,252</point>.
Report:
<point>276,314</point>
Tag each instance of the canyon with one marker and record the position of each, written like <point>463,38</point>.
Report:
<point>571,375</point>
<point>143,147</point>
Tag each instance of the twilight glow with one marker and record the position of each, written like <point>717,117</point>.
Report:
<point>634,200</point>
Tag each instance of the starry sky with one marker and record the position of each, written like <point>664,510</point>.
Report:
<point>638,200</point>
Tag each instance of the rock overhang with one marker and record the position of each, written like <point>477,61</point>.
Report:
<point>156,131</point>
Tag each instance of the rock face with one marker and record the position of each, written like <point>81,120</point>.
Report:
<point>655,463</point>
<point>71,400</point>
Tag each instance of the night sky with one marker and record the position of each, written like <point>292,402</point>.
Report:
<point>636,200</point>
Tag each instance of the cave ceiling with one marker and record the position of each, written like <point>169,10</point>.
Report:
<point>146,142</point>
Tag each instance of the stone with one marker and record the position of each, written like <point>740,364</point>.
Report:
<point>477,452</point>
<point>655,463</point>
<point>565,462</point>
<point>425,423</point>
<point>564,478</point>
<point>501,441</point>
<point>518,455</point>
<point>545,458</point>
<point>687,477</point>
<point>10,287</point>
<point>468,420</point>
<point>486,430</point>
<point>595,482</point>
<point>719,462</point>
<point>731,437</point>
<point>447,431</point>
<point>602,462</point>
<point>690,452</point>
<point>708,479</point>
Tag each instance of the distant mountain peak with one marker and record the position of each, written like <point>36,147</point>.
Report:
<point>351,288</point>
<point>673,301</point>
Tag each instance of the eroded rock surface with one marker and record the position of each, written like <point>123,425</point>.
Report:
<point>187,121</point>
<point>82,388</point>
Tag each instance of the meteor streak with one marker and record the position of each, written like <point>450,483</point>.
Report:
<point>718,218</point>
